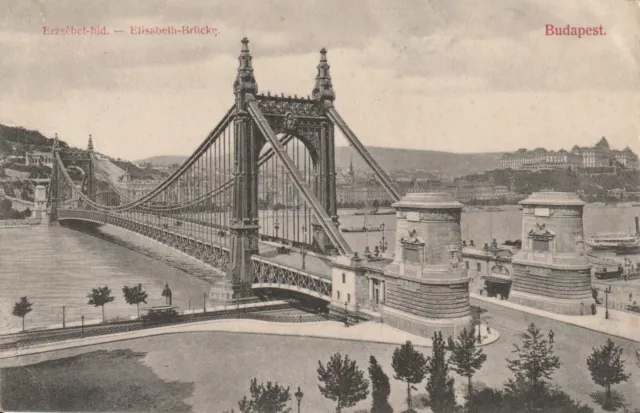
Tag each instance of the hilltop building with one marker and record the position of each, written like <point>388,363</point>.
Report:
<point>598,156</point>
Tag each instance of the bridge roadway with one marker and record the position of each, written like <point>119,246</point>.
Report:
<point>314,264</point>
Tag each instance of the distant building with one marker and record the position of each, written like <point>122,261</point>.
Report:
<point>136,188</point>
<point>39,159</point>
<point>598,156</point>
<point>463,191</point>
<point>364,193</point>
<point>539,159</point>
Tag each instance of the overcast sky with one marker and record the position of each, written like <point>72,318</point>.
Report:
<point>451,75</point>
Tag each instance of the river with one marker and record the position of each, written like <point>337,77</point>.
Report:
<point>57,267</point>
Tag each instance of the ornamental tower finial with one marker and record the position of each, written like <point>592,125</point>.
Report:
<point>245,80</point>
<point>56,142</point>
<point>323,89</point>
<point>90,144</point>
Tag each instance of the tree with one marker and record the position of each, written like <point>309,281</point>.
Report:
<point>607,368</point>
<point>6,208</point>
<point>269,398</point>
<point>135,296</point>
<point>442,397</point>
<point>535,362</point>
<point>380,388</point>
<point>99,297</point>
<point>488,400</point>
<point>465,358</point>
<point>342,381</point>
<point>410,366</point>
<point>21,309</point>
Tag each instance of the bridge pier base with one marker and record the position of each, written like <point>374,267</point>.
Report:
<point>321,241</point>
<point>225,292</point>
<point>427,287</point>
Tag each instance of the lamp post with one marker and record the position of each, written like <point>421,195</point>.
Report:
<point>238,305</point>
<point>303,250</point>
<point>276,225</point>
<point>383,243</point>
<point>627,263</point>
<point>63,316</point>
<point>82,326</point>
<point>346,315</point>
<point>298,396</point>
<point>204,302</point>
<point>366,230</point>
<point>607,291</point>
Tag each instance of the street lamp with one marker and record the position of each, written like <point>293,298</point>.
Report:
<point>237,305</point>
<point>82,326</point>
<point>298,396</point>
<point>63,316</point>
<point>383,243</point>
<point>276,225</point>
<point>607,291</point>
<point>303,250</point>
<point>346,315</point>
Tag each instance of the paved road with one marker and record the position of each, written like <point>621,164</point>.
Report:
<point>572,344</point>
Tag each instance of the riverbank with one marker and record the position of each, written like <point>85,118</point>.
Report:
<point>55,267</point>
<point>16,223</point>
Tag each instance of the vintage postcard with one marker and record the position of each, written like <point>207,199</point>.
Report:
<point>320,206</point>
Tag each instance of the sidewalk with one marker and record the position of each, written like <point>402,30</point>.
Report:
<point>620,323</point>
<point>367,332</point>
<point>132,317</point>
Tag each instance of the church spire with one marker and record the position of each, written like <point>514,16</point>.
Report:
<point>323,89</point>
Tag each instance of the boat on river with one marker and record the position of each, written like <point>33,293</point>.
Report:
<point>612,241</point>
<point>626,243</point>
<point>361,229</point>
<point>625,249</point>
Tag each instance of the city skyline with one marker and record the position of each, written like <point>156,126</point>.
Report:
<point>441,78</point>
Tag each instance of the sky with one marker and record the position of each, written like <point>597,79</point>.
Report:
<point>459,76</point>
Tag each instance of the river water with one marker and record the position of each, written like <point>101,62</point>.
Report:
<point>57,266</point>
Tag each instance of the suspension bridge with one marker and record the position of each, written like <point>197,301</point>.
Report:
<point>256,200</point>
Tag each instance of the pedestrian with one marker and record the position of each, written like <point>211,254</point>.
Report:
<point>630,296</point>
<point>551,335</point>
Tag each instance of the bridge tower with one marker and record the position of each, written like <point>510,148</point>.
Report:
<point>244,219</point>
<point>54,185</point>
<point>326,192</point>
<point>302,118</point>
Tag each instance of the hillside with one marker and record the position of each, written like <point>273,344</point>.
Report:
<point>15,140</point>
<point>163,160</point>
<point>393,159</point>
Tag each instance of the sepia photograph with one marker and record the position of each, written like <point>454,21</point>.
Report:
<point>279,206</point>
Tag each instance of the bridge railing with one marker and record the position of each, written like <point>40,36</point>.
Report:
<point>270,274</point>
<point>213,254</point>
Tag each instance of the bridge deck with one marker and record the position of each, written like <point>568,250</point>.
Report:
<point>314,264</point>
